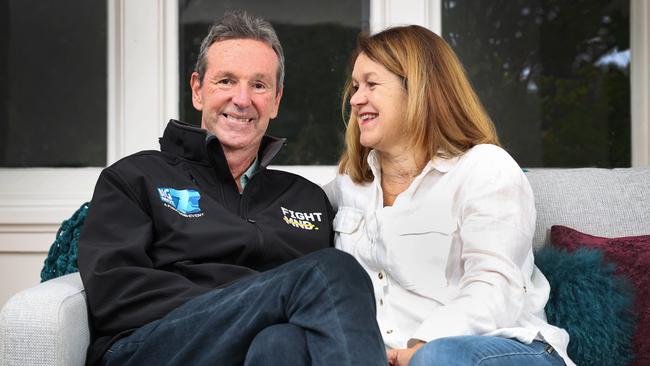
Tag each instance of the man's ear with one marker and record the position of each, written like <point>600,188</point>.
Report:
<point>195,85</point>
<point>276,106</point>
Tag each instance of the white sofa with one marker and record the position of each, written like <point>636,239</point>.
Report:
<point>48,324</point>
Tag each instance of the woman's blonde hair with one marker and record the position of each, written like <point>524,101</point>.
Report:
<point>443,113</point>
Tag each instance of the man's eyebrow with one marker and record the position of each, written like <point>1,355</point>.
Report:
<point>230,75</point>
<point>223,74</point>
<point>264,77</point>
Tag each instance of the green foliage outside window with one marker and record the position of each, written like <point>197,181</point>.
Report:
<point>552,74</point>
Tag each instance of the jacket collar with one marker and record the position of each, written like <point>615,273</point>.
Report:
<point>197,144</point>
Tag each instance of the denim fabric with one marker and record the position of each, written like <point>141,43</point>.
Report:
<point>485,351</point>
<point>326,296</point>
<point>280,344</point>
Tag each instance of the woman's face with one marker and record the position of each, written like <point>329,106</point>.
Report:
<point>379,103</point>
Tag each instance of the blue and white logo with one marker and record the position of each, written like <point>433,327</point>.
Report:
<point>183,201</point>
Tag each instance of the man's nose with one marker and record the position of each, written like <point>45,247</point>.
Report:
<point>242,96</point>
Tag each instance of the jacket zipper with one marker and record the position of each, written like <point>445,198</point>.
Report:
<point>196,183</point>
<point>215,172</point>
<point>243,211</point>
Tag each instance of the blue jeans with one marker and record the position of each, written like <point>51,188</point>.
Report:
<point>485,351</point>
<point>315,310</point>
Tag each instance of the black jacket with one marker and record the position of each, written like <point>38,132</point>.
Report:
<point>166,226</point>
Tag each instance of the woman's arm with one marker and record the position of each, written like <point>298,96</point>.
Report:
<point>497,222</point>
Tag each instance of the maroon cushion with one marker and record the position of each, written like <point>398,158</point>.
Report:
<point>632,258</point>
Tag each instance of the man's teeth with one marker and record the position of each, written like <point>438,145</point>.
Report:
<point>235,119</point>
<point>366,117</point>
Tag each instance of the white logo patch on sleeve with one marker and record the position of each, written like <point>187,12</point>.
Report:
<point>303,220</point>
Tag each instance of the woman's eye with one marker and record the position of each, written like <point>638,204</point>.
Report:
<point>355,87</point>
<point>371,85</point>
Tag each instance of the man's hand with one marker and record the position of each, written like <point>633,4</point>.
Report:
<point>402,357</point>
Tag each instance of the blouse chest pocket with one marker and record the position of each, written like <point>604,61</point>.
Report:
<point>347,226</point>
<point>347,220</point>
<point>418,252</point>
<point>425,222</point>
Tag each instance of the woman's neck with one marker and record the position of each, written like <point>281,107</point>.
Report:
<point>397,173</point>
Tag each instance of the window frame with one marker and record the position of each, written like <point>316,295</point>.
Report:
<point>142,95</point>
<point>640,82</point>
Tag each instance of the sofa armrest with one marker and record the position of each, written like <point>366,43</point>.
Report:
<point>46,324</point>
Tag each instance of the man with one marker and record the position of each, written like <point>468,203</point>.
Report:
<point>190,255</point>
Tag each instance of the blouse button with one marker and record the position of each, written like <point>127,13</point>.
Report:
<point>381,275</point>
<point>381,302</point>
<point>389,331</point>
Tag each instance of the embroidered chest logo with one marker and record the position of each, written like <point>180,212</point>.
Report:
<point>184,201</point>
<point>303,220</point>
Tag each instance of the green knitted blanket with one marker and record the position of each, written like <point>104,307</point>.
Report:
<point>62,256</point>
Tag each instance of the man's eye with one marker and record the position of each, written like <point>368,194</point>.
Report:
<point>259,86</point>
<point>225,82</point>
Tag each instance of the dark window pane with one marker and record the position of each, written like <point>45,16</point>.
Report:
<point>318,38</point>
<point>52,83</point>
<point>553,75</point>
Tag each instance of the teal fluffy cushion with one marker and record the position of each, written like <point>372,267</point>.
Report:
<point>62,256</point>
<point>592,304</point>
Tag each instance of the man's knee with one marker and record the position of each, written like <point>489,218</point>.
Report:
<point>280,342</point>
<point>336,262</point>
<point>280,336</point>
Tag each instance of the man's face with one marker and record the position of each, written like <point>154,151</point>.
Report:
<point>239,94</point>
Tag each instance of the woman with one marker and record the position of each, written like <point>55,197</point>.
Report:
<point>439,215</point>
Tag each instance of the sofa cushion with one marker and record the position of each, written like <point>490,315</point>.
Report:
<point>593,305</point>
<point>631,255</point>
<point>62,257</point>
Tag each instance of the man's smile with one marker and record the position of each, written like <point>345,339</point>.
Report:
<point>236,118</point>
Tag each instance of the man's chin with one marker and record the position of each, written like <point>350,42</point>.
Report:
<point>232,143</point>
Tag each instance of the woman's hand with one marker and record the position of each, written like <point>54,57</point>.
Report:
<point>402,357</point>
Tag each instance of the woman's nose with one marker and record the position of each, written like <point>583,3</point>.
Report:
<point>358,98</point>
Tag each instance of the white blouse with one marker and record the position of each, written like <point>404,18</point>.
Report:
<point>453,255</point>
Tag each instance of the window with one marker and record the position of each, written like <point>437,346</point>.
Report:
<point>52,83</point>
<point>317,40</point>
<point>554,76</point>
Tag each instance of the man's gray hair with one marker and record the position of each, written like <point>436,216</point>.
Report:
<point>240,25</point>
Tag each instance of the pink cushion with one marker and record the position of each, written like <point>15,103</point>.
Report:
<point>631,255</point>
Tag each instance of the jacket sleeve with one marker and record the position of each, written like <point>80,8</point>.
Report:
<point>124,291</point>
<point>497,222</point>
